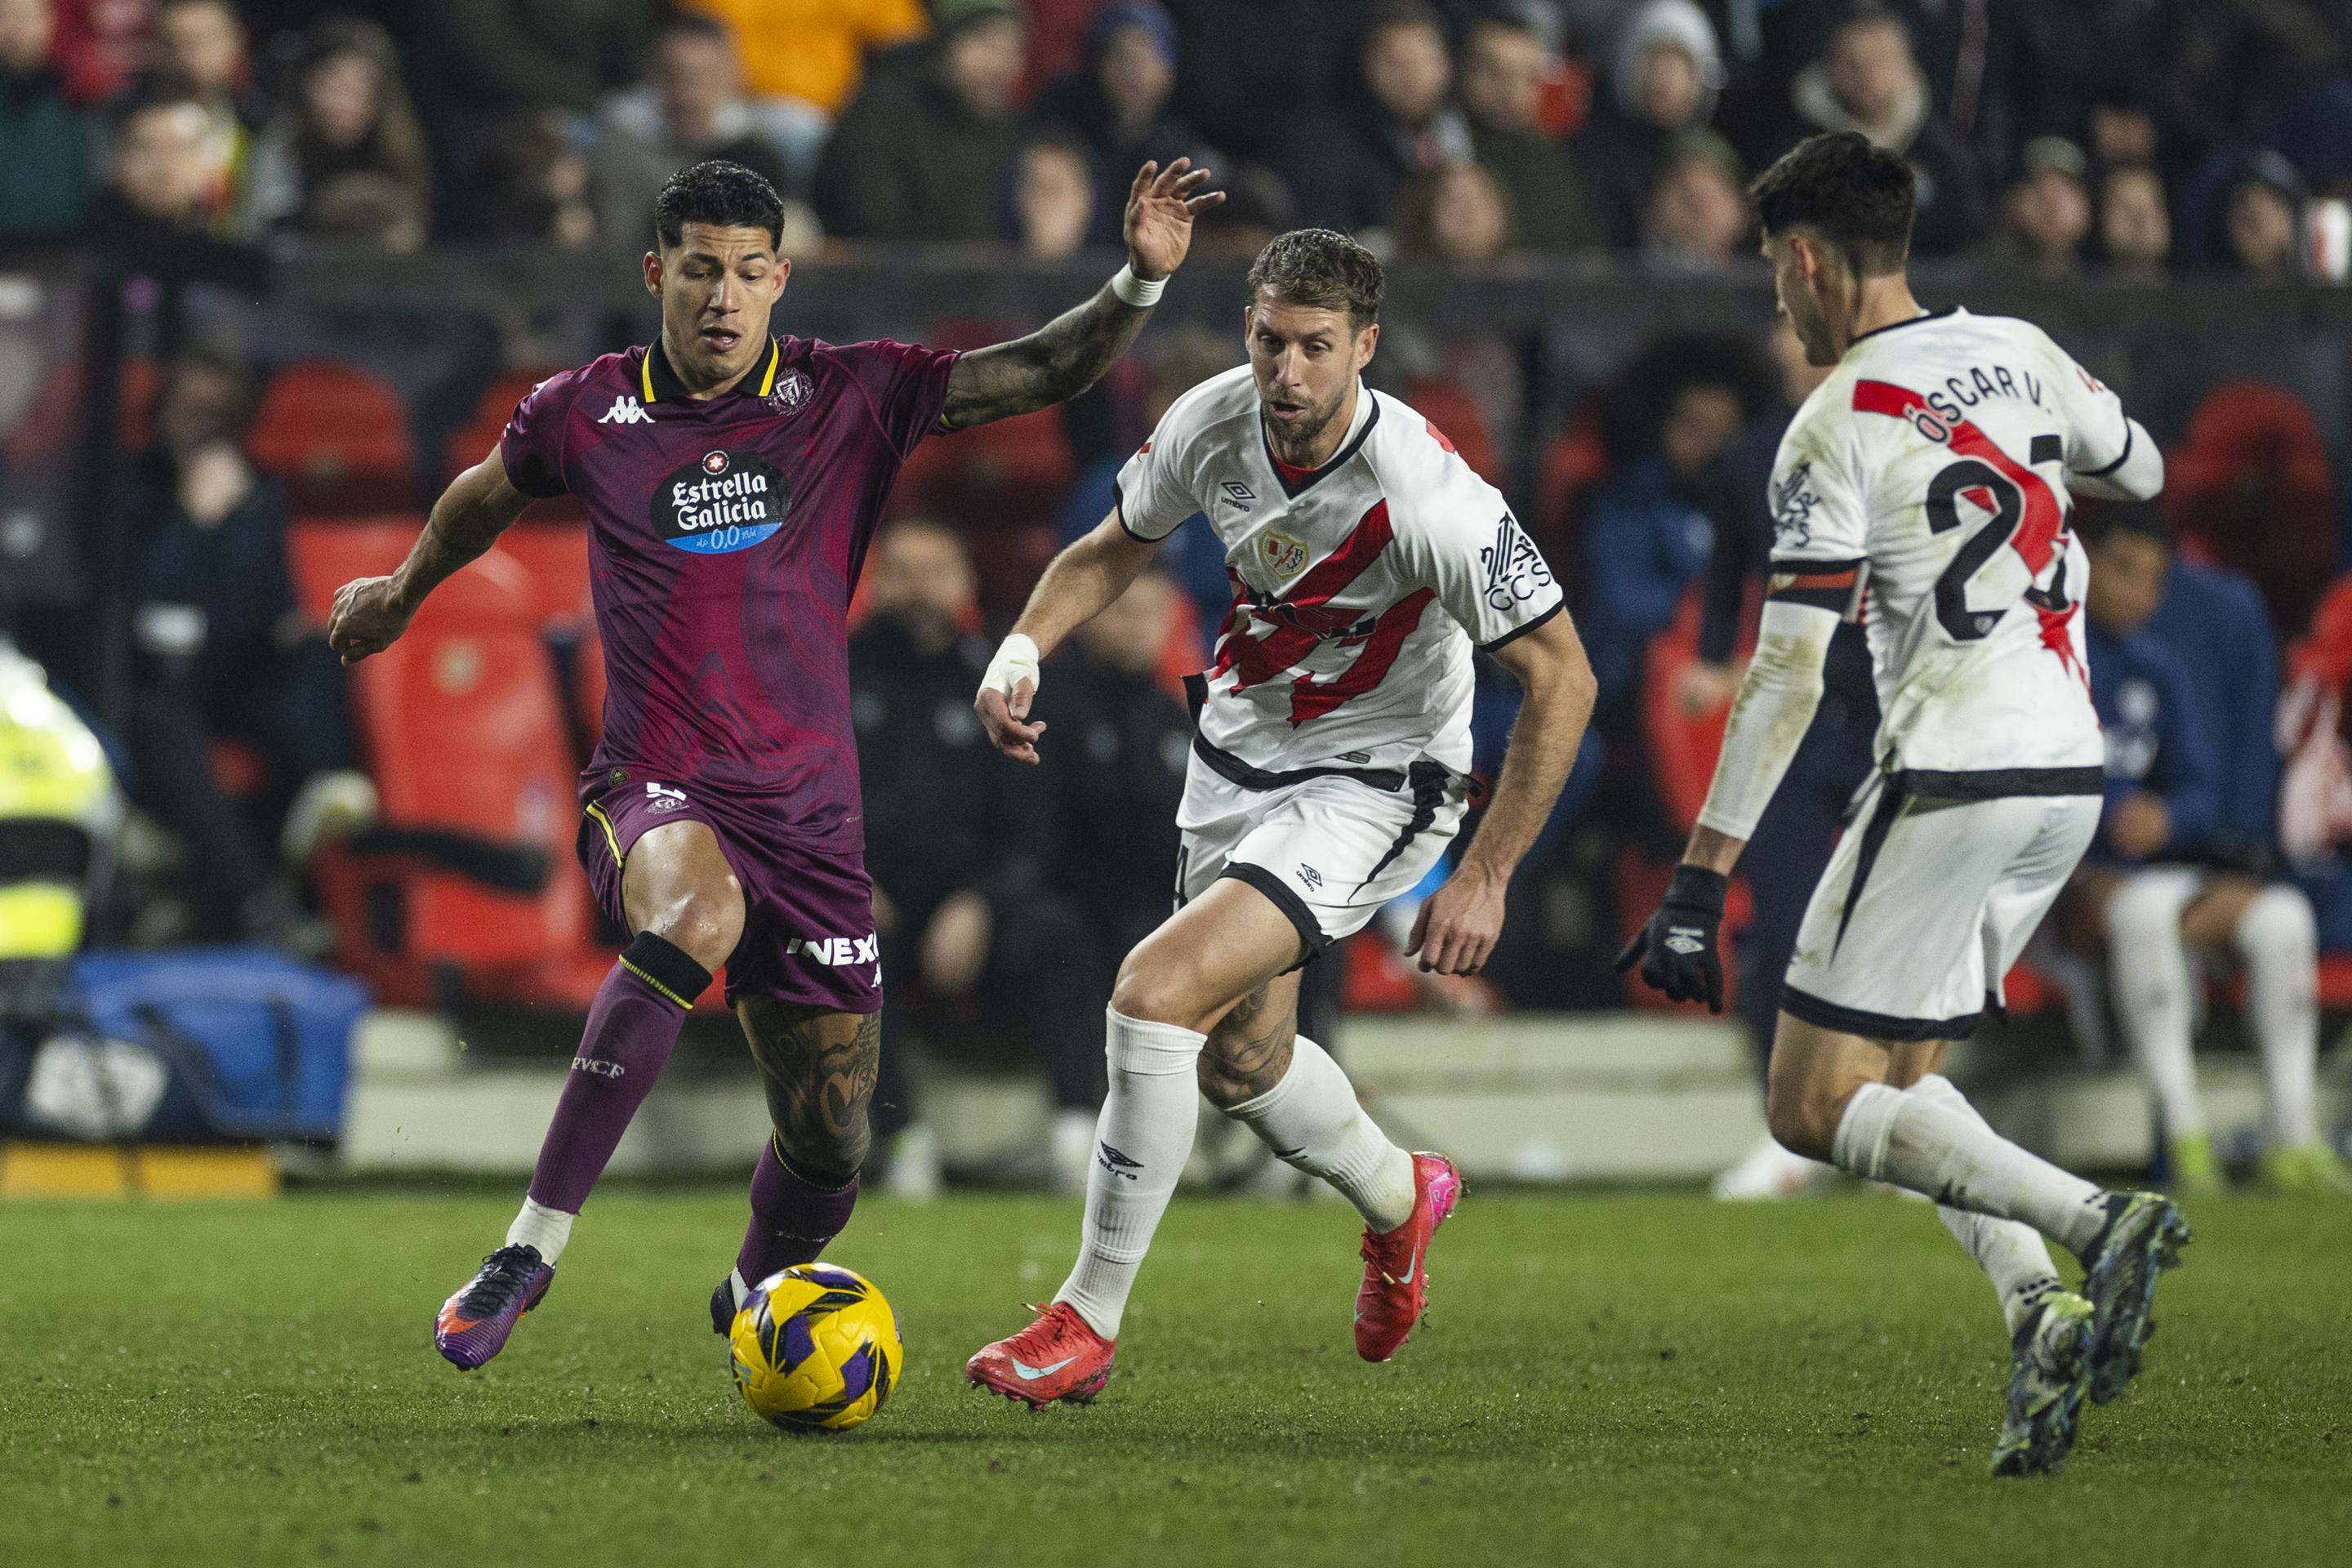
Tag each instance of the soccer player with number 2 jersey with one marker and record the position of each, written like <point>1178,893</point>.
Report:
<point>1925,487</point>
<point>1328,773</point>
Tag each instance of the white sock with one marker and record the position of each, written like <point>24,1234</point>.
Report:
<point>2279,944</point>
<point>738,1289</point>
<point>1142,1141</point>
<point>2148,975</point>
<point>542,1227</point>
<point>1312,1121</point>
<point>2013,1256</point>
<point>1888,1135</point>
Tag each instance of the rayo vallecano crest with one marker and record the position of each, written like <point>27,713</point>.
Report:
<point>1284,556</point>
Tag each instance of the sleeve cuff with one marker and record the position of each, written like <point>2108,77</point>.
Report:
<point>1524,627</point>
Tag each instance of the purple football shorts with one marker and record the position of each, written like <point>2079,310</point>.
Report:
<point>808,913</point>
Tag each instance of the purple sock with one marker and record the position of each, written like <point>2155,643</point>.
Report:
<point>633,1026</point>
<point>791,1218</point>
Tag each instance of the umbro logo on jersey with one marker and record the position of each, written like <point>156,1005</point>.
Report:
<point>1238,493</point>
<point>1515,569</point>
<point>624,411</point>
<point>1311,876</point>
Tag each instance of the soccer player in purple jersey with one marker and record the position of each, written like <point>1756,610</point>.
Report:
<point>732,482</point>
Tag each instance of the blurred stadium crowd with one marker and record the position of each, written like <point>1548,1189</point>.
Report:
<point>2087,148</point>
<point>2150,135</point>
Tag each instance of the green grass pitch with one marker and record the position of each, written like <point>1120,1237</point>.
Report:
<point>1640,1380</point>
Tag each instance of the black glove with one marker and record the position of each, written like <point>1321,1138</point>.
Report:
<point>1680,947</point>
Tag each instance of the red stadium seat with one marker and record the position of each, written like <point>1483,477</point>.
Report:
<point>471,883</point>
<point>2249,487</point>
<point>472,441</point>
<point>337,437</point>
<point>1683,746</point>
<point>1454,414</point>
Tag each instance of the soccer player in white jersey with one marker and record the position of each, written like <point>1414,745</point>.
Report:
<point>1328,773</point>
<point>1924,486</point>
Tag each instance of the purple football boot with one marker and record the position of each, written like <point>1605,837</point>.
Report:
<point>475,1322</point>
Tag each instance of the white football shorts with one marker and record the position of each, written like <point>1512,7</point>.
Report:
<point>1926,904</point>
<point>1329,846</point>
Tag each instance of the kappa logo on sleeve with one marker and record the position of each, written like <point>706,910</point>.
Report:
<point>625,410</point>
<point>1515,569</point>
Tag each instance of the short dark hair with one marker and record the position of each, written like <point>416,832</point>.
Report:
<point>2096,521</point>
<point>720,192</point>
<point>1858,197</point>
<point>1323,270</point>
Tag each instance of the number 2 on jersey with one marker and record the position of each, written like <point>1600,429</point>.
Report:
<point>2011,494</point>
<point>2026,514</point>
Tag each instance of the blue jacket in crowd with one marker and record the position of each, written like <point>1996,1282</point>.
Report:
<point>2212,621</point>
<point>2156,735</point>
<point>1645,543</point>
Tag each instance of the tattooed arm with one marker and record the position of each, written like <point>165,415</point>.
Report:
<point>1070,354</point>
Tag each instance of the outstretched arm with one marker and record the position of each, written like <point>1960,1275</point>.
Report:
<point>1070,352</point>
<point>1459,924</point>
<point>1081,581</point>
<point>371,614</point>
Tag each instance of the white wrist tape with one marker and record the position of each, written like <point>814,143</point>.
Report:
<point>1016,661</point>
<point>1140,293</point>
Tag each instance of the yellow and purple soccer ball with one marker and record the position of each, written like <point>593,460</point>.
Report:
<point>816,1349</point>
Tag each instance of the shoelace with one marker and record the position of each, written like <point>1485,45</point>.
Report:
<point>505,1274</point>
<point>1047,1332</point>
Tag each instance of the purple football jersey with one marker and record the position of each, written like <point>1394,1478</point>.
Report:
<point>725,538</point>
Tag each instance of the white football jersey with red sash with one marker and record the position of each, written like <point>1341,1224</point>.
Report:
<point>1933,463</point>
<point>1359,589</point>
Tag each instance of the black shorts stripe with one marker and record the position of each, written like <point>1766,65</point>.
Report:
<point>1808,1009</point>
<point>1429,779</point>
<point>1999,783</point>
<point>1833,598</point>
<point>1227,766</point>
<point>1285,899</point>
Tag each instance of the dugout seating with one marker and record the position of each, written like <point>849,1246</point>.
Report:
<point>470,889</point>
<point>2249,487</point>
<point>336,437</point>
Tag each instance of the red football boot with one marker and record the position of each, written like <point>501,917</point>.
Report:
<point>1056,1357</point>
<point>1396,1282</point>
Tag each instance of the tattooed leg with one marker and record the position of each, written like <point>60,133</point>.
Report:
<point>818,1068</point>
<point>1249,1050</point>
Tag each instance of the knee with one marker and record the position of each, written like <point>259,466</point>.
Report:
<point>1154,991</point>
<point>2279,921</point>
<point>703,922</point>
